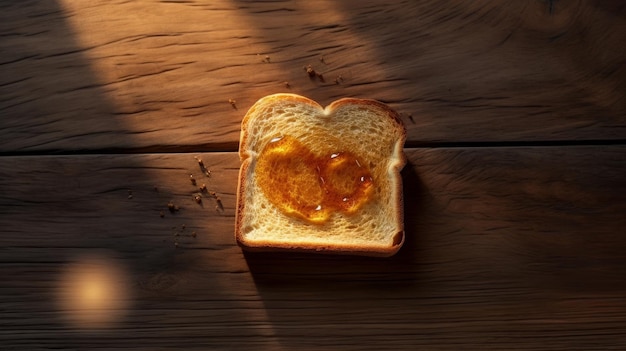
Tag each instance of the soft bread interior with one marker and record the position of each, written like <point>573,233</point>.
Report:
<point>359,126</point>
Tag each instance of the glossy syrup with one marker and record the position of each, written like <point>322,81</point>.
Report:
<point>312,186</point>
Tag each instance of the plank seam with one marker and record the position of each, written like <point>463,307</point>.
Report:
<point>234,147</point>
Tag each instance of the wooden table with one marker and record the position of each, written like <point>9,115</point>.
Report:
<point>515,189</point>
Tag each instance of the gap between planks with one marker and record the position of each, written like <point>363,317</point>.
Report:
<point>234,147</point>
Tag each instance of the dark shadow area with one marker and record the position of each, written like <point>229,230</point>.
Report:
<point>358,291</point>
<point>536,44</point>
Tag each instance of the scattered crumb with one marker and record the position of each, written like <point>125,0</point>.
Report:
<point>193,234</point>
<point>313,73</point>
<point>197,198</point>
<point>233,103</point>
<point>203,188</point>
<point>192,179</point>
<point>183,226</point>
<point>173,208</point>
<point>130,194</point>
<point>219,206</point>
<point>310,71</point>
<point>339,79</point>
<point>322,60</point>
<point>212,193</point>
<point>287,85</point>
<point>161,214</point>
<point>266,58</point>
<point>200,163</point>
<point>202,166</point>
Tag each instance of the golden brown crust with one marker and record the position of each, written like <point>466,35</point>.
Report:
<point>369,102</point>
<point>382,251</point>
<point>240,206</point>
<point>373,250</point>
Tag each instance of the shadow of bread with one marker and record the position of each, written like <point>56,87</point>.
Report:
<point>355,290</point>
<point>344,270</point>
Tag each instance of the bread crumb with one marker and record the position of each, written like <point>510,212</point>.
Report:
<point>173,208</point>
<point>233,103</point>
<point>266,58</point>
<point>310,71</point>
<point>200,163</point>
<point>219,206</point>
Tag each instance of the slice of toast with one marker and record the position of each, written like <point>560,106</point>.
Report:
<point>321,179</point>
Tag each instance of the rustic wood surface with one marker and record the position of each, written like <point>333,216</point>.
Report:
<point>159,74</point>
<point>506,249</point>
<point>514,192</point>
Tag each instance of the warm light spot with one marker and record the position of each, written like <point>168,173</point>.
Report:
<point>93,292</point>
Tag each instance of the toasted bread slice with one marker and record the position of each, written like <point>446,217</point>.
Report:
<point>321,179</point>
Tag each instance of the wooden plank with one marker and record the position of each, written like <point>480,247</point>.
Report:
<point>154,75</point>
<point>507,248</point>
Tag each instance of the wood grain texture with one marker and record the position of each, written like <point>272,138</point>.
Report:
<point>507,248</point>
<point>157,75</point>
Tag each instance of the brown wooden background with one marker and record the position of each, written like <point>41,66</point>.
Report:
<point>515,190</point>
